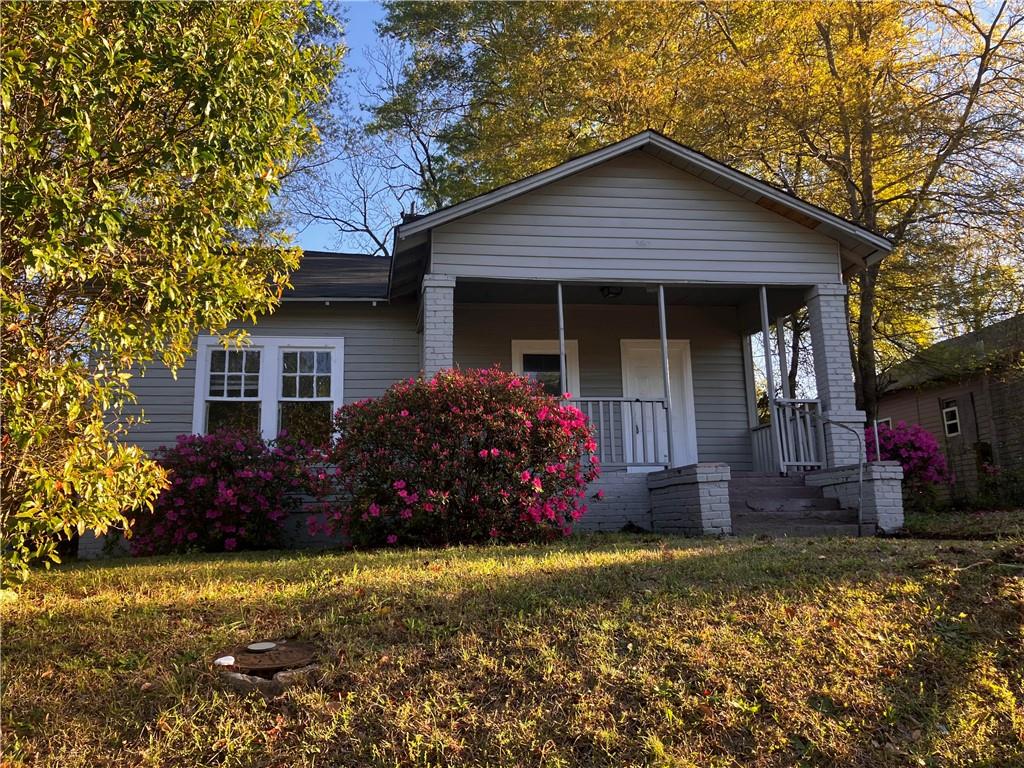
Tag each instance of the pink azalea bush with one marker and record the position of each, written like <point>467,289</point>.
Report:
<point>227,491</point>
<point>467,456</point>
<point>917,451</point>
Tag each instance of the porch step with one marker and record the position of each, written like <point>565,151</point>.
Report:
<point>782,504</point>
<point>773,505</point>
<point>775,491</point>
<point>780,516</point>
<point>795,530</point>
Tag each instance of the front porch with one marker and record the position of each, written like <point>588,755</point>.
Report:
<point>666,376</point>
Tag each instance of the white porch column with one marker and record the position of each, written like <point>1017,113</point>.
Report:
<point>773,413</point>
<point>562,366</point>
<point>833,372</point>
<point>666,374</point>
<point>438,323</point>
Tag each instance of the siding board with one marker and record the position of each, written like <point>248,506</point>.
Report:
<point>381,346</point>
<point>634,218</point>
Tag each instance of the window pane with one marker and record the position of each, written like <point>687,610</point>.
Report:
<point>541,363</point>
<point>309,422</point>
<point>290,362</point>
<point>306,362</point>
<point>217,360</point>
<point>305,386</point>
<point>233,385</point>
<point>323,386</point>
<point>216,385</point>
<point>288,386</point>
<point>252,361</point>
<point>240,416</point>
<point>323,362</point>
<point>235,360</point>
<point>544,368</point>
<point>251,387</point>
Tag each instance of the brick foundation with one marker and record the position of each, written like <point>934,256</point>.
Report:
<point>692,500</point>
<point>882,506</point>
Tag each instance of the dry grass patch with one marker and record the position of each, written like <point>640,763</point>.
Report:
<point>599,651</point>
<point>956,524</point>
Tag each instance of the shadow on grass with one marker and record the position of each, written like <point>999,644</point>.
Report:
<point>734,637</point>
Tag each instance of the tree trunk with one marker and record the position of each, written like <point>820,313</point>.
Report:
<point>867,379</point>
<point>794,358</point>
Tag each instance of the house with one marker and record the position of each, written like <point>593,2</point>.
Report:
<point>968,392</point>
<point>631,277</point>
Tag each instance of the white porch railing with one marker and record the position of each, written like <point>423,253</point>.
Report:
<point>630,432</point>
<point>800,443</point>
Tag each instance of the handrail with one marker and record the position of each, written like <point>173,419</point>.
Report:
<point>860,464</point>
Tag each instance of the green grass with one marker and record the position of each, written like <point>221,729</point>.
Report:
<point>957,524</point>
<point>597,652</point>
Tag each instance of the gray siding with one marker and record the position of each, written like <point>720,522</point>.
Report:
<point>634,218</point>
<point>381,346</point>
<point>484,333</point>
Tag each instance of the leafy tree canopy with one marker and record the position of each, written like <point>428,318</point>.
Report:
<point>902,116</point>
<point>141,143</point>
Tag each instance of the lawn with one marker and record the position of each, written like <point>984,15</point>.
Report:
<point>594,652</point>
<point>981,524</point>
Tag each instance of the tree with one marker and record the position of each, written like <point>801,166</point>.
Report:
<point>141,145</point>
<point>901,116</point>
<point>364,176</point>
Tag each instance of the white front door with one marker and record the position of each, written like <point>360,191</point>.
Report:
<point>645,428</point>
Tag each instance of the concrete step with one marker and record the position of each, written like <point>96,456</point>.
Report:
<point>790,530</point>
<point>783,506</point>
<point>744,491</point>
<point>760,481</point>
<point>795,518</point>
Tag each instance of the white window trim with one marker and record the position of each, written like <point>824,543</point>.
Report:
<point>522,347</point>
<point>887,421</point>
<point>269,390</point>
<point>945,422</point>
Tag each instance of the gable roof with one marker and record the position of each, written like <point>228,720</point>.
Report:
<point>961,356</point>
<point>327,276</point>
<point>858,245</point>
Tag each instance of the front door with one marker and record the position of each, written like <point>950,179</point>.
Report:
<point>645,429</point>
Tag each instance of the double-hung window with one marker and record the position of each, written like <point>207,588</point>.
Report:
<point>233,397</point>
<point>305,405</point>
<point>272,385</point>
<point>951,418</point>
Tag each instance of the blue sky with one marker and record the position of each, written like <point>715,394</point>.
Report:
<point>360,34</point>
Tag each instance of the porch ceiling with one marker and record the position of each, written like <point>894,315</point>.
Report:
<point>782,300</point>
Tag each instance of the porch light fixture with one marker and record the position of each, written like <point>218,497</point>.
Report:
<point>611,291</point>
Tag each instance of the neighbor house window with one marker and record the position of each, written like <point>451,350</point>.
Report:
<point>272,385</point>
<point>885,422</point>
<point>232,395</point>
<point>951,418</point>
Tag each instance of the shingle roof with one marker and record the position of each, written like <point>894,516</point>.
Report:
<point>326,275</point>
<point>992,346</point>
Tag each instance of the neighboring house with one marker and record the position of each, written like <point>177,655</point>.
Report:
<point>969,393</point>
<point>588,276</point>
